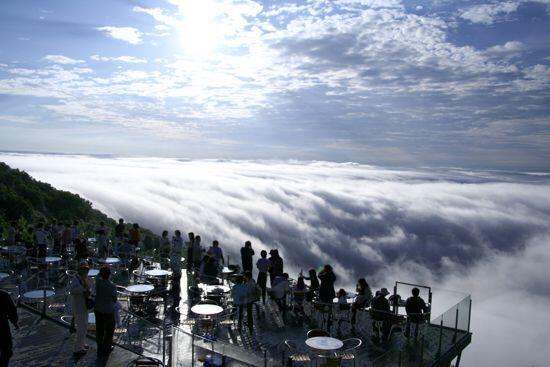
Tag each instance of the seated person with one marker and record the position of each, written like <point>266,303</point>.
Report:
<point>342,297</point>
<point>209,268</point>
<point>363,299</point>
<point>416,311</point>
<point>279,290</point>
<point>299,292</point>
<point>381,304</point>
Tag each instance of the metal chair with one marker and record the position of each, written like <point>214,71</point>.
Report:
<point>316,332</point>
<point>349,349</point>
<point>296,356</point>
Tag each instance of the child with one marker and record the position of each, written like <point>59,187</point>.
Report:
<point>342,297</point>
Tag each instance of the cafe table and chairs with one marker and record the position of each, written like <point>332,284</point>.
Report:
<point>324,346</point>
<point>34,297</point>
<point>207,313</point>
<point>138,294</point>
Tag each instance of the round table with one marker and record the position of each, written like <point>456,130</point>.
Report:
<point>52,259</point>
<point>4,276</point>
<point>14,248</point>
<point>157,273</point>
<point>91,318</point>
<point>140,288</point>
<point>93,272</point>
<point>109,260</point>
<point>38,294</point>
<point>227,270</point>
<point>324,343</point>
<point>206,310</point>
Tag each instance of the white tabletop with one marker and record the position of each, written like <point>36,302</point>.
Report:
<point>140,288</point>
<point>226,270</point>
<point>14,248</point>
<point>38,294</point>
<point>348,300</point>
<point>324,343</point>
<point>52,259</point>
<point>4,275</point>
<point>109,260</point>
<point>206,310</point>
<point>210,288</point>
<point>158,272</point>
<point>93,272</point>
<point>91,318</point>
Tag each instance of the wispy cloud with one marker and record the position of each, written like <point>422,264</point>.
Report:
<point>127,34</point>
<point>127,59</point>
<point>60,59</point>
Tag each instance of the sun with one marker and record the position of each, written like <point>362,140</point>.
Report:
<point>201,31</point>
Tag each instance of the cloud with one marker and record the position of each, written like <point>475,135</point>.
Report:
<point>64,60</point>
<point>489,13</point>
<point>127,34</point>
<point>481,232</point>
<point>127,59</point>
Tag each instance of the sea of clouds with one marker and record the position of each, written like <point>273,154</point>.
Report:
<point>485,233</point>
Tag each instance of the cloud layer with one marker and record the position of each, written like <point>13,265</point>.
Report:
<point>485,233</point>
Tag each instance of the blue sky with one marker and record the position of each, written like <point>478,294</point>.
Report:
<point>408,83</point>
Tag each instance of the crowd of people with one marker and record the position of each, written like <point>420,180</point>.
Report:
<point>65,239</point>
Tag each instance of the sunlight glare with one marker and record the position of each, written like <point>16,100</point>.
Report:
<point>201,31</point>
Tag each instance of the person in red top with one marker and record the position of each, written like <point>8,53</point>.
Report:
<point>135,235</point>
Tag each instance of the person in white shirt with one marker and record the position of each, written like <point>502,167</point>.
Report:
<point>80,291</point>
<point>263,264</point>
<point>12,232</point>
<point>175,253</point>
<point>279,291</point>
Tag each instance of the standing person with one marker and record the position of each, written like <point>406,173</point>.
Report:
<point>197,252</point>
<point>238,293</point>
<point>41,237</point>
<point>7,312</point>
<point>175,254</point>
<point>120,229</point>
<point>55,234</point>
<point>165,247</point>
<point>217,252</point>
<point>106,297</point>
<point>277,266</point>
<point>66,238</point>
<point>246,256</point>
<point>80,292</point>
<point>80,249</point>
<point>189,246</point>
<point>135,235</point>
<point>380,303</point>
<point>326,289</point>
<point>75,231</point>
<point>313,284</point>
<point>417,311</point>
<point>12,234</point>
<point>263,264</point>
<point>101,243</point>
<point>253,292</point>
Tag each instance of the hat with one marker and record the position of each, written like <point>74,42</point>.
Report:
<point>384,292</point>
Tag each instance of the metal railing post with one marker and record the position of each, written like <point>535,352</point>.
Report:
<point>469,314</point>
<point>192,350</point>
<point>456,325</point>
<point>440,337</point>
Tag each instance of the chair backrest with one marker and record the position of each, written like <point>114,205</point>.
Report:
<point>316,332</point>
<point>351,343</point>
<point>208,302</point>
<point>291,345</point>
<point>344,306</point>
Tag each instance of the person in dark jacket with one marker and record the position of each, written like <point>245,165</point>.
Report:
<point>326,289</point>
<point>277,266</point>
<point>313,284</point>
<point>7,312</point>
<point>106,297</point>
<point>381,303</point>
<point>417,311</point>
<point>246,256</point>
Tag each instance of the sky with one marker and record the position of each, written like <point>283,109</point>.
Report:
<point>478,232</point>
<point>396,83</point>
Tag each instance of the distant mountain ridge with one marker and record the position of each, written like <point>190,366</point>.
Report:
<point>29,201</point>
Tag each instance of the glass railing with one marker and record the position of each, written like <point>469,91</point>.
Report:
<point>434,341</point>
<point>188,349</point>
